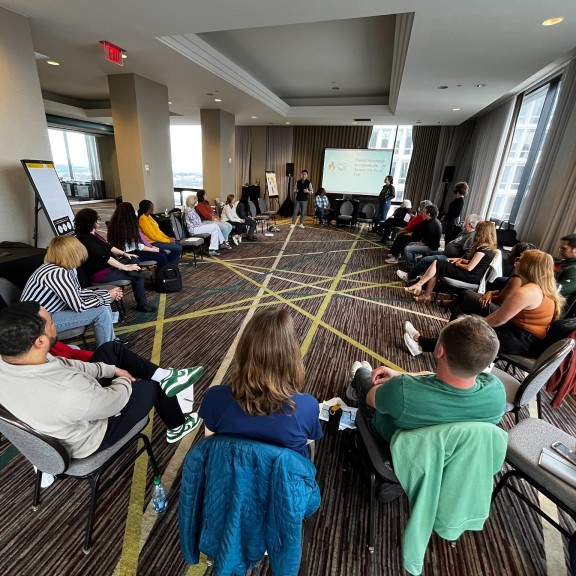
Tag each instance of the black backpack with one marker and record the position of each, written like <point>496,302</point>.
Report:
<point>168,279</point>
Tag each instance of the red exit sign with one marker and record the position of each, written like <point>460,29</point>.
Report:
<point>112,53</point>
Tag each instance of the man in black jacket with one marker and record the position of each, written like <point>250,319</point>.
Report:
<point>425,238</point>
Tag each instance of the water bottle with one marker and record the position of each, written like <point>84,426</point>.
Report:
<point>159,498</point>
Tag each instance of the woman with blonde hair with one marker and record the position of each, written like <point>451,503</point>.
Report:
<point>56,288</point>
<point>264,400</point>
<point>525,315</point>
<point>469,269</point>
<point>194,225</point>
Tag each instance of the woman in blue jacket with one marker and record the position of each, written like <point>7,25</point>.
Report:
<point>264,400</point>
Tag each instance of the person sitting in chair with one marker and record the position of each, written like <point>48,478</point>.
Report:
<point>323,211</point>
<point>88,406</point>
<point>458,391</point>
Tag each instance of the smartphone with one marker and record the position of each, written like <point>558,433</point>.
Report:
<point>562,449</point>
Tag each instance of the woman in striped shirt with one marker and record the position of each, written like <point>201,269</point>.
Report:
<point>55,286</point>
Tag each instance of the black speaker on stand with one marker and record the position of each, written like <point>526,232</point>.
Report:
<point>447,177</point>
<point>287,208</point>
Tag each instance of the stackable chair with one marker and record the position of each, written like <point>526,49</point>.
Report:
<point>11,294</point>
<point>520,394</point>
<point>265,211</point>
<point>258,217</point>
<point>194,242</point>
<point>493,271</point>
<point>368,211</point>
<point>49,456</point>
<point>346,212</point>
<point>525,443</point>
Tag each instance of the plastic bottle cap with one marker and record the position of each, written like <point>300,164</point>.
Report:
<point>157,480</point>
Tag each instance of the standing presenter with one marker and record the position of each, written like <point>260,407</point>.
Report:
<point>303,189</point>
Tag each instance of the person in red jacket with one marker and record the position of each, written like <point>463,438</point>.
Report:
<point>208,214</point>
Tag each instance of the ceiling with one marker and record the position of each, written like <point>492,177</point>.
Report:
<point>281,61</point>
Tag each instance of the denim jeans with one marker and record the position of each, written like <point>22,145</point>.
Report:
<point>225,228</point>
<point>410,253</point>
<point>420,268</point>
<point>101,318</point>
<point>174,250</point>
<point>137,284</point>
<point>299,208</point>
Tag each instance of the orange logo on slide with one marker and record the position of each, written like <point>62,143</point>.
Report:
<point>331,166</point>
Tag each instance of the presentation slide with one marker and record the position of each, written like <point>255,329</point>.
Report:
<point>271,185</point>
<point>360,172</point>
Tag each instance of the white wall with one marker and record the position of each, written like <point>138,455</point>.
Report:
<point>23,130</point>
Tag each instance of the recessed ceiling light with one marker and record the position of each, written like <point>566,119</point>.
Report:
<point>170,103</point>
<point>53,63</point>
<point>552,21</point>
<point>286,122</point>
<point>440,122</point>
<point>442,87</point>
<point>455,109</point>
<point>480,85</point>
<point>254,117</point>
<point>217,99</point>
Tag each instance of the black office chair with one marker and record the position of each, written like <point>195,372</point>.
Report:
<point>48,455</point>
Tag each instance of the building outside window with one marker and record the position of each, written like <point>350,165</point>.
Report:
<point>186,145</point>
<point>75,155</point>
<point>530,131</point>
<point>398,138</point>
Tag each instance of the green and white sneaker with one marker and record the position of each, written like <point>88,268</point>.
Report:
<point>191,422</point>
<point>180,380</point>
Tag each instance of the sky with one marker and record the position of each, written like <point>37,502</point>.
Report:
<point>186,144</point>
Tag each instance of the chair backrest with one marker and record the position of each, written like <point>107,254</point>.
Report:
<point>493,271</point>
<point>10,293</point>
<point>262,205</point>
<point>44,452</point>
<point>546,364</point>
<point>368,210</point>
<point>253,211</point>
<point>177,227</point>
<point>347,209</point>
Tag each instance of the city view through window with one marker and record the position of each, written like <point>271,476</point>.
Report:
<point>186,144</point>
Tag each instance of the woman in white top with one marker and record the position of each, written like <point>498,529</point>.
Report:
<point>194,225</point>
<point>229,215</point>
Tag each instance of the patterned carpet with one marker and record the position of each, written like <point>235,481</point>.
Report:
<point>347,305</point>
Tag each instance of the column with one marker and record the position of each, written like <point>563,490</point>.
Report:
<point>142,135</point>
<point>218,141</point>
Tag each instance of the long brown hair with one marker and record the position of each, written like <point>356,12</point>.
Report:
<point>123,227</point>
<point>267,369</point>
<point>538,268</point>
<point>485,235</point>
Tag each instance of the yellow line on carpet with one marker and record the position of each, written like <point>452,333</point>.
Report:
<point>325,302</point>
<point>131,545</point>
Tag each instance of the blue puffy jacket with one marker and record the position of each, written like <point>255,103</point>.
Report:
<point>240,498</point>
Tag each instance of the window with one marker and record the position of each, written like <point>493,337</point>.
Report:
<point>398,138</point>
<point>531,128</point>
<point>75,155</point>
<point>186,145</point>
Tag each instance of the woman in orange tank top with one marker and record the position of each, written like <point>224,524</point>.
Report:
<point>525,316</point>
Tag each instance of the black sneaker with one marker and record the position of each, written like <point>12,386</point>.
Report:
<point>146,308</point>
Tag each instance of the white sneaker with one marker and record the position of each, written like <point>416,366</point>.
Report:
<point>410,330</point>
<point>412,345</point>
<point>239,239</point>
<point>301,225</point>
<point>292,225</point>
<point>355,367</point>
<point>235,240</point>
<point>366,365</point>
<point>402,275</point>
<point>391,260</point>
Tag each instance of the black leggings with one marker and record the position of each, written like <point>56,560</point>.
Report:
<point>146,393</point>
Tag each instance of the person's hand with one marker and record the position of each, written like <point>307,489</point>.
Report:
<point>486,299</point>
<point>381,374</point>
<point>132,268</point>
<point>154,249</point>
<point>128,255</point>
<point>116,293</point>
<point>172,240</point>
<point>242,220</point>
<point>119,373</point>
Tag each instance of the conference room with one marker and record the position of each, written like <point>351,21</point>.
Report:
<point>142,101</point>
